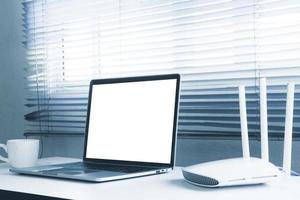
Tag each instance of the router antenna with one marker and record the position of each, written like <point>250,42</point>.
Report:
<point>264,120</point>
<point>288,132</point>
<point>243,118</point>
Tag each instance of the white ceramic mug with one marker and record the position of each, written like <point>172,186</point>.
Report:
<point>21,152</point>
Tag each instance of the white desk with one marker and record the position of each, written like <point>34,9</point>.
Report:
<point>166,186</point>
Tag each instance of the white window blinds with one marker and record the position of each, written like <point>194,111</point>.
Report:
<point>214,44</point>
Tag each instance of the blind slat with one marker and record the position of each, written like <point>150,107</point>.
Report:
<point>215,45</point>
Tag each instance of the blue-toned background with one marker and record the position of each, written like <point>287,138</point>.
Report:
<point>12,109</point>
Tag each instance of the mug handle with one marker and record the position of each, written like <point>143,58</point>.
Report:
<point>5,149</point>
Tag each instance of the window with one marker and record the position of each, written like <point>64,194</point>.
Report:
<point>215,45</point>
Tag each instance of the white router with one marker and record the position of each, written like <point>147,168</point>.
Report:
<point>247,170</point>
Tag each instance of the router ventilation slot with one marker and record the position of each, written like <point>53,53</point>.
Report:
<point>198,179</point>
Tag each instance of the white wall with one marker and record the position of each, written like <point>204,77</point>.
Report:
<point>12,60</point>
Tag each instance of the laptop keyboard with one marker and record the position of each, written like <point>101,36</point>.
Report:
<point>90,168</point>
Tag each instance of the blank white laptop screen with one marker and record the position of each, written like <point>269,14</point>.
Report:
<point>132,121</point>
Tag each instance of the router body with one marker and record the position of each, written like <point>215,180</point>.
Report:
<point>230,172</point>
<point>247,170</point>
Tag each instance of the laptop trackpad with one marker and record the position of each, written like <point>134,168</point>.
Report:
<point>103,173</point>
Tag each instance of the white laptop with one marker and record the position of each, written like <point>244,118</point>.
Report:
<point>130,130</point>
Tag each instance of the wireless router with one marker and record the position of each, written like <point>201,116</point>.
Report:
<point>247,170</point>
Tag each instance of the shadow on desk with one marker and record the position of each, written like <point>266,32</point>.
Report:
<point>24,196</point>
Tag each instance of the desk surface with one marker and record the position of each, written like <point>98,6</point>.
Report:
<point>164,186</point>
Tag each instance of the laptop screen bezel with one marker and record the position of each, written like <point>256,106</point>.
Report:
<point>134,79</point>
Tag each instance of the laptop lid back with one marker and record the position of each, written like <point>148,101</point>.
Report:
<point>133,120</point>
